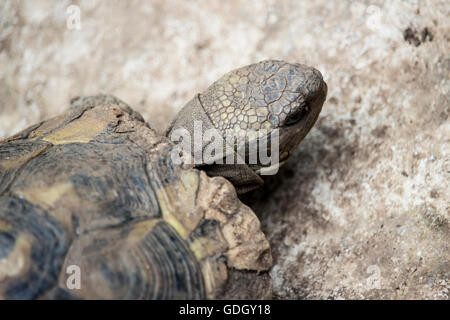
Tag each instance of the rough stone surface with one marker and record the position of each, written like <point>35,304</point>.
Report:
<point>362,209</point>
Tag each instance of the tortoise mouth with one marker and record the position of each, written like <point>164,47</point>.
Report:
<point>291,135</point>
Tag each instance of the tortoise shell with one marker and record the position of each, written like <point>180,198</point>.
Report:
<point>95,189</point>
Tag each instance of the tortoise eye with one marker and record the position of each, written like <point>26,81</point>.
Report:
<point>297,116</point>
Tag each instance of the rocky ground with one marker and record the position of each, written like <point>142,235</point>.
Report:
<point>362,209</point>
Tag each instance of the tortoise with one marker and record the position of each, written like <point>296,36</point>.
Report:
<point>95,192</point>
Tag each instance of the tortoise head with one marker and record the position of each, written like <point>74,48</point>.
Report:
<point>256,101</point>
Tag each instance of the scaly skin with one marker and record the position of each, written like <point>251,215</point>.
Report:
<point>265,95</point>
<point>251,102</point>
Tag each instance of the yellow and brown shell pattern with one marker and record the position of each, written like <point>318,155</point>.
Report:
<point>95,188</point>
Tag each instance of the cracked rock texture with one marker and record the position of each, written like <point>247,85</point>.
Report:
<point>361,210</point>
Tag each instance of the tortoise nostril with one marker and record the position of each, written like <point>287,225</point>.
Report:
<point>318,74</point>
